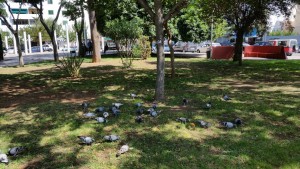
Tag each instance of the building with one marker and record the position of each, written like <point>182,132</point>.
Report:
<point>28,14</point>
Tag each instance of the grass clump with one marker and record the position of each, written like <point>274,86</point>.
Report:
<point>71,65</point>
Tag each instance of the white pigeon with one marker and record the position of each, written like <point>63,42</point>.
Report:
<point>15,151</point>
<point>123,150</point>
<point>203,124</point>
<point>4,159</point>
<point>207,106</point>
<point>105,114</point>
<point>86,140</point>
<point>228,125</point>
<point>89,114</point>
<point>101,120</point>
<point>133,95</point>
<point>111,138</point>
<point>117,105</point>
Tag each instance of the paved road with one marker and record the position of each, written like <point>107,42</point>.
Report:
<point>12,59</point>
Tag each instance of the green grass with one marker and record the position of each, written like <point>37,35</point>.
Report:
<point>40,110</point>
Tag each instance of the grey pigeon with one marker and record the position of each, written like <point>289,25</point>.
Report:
<point>185,102</point>
<point>89,114</point>
<point>100,109</point>
<point>182,120</point>
<point>105,114</point>
<point>139,119</point>
<point>154,113</point>
<point>122,150</point>
<point>101,120</point>
<point>226,97</point>
<point>117,105</point>
<point>133,95</point>
<point>4,159</point>
<point>203,124</point>
<point>238,121</point>
<point>85,106</point>
<point>15,151</point>
<point>139,104</point>
<point>228,125</point>
<point>150,110</point>
<point>116,111</point>
<point>154,106</point>
<point>140,111</point>
<point>111,138</point>
<point>86,140</point>
<point>207,106</point>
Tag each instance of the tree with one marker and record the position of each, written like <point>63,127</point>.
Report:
<point>15,31</point>
<point>242,15</point>
<point>75,11</point>
<point>38,4</point>
<point>157,15</point>
<point>94,31</point>
<point>1,48</point>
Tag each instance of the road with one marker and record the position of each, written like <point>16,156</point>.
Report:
<point>12,59</point>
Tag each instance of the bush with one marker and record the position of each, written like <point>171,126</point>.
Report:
<point>142,48</point>
<point>126,57</point>
<point>71,65</point>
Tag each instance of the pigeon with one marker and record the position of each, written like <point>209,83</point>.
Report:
<point>207,106</point>
<point>117,105</point>
<point>226,97</point>
<point>4,159</point>
<point>238,121</point>
<point>86,140</point>
<point>139,104</point>
<point>89,115</point>
<point>154,106</point>
<point>228,125</point>
<point>100,109</point>
<point>151,110</point>
<point>105,114</point>
<point>116,111</point>
<point>203,124</point>
<point>15,151</point>
<point>111,138</point>
<point>101,120</point>
<point>122,150</point>
<point>133,95</point>
<point>139,119</point>
<point>182,120</point>
<point>85,106</point>
<point>185,102</point>
<point>154,113</point>
<point>140,111</point>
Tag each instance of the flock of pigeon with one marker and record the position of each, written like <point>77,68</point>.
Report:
<point>115,110</point>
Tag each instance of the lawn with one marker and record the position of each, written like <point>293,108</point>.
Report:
<point>40,109</point>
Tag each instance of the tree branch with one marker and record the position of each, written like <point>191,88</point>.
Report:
<point>176,9</point>
<point>147,8</point>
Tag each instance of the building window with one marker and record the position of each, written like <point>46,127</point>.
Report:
<point>50,2</point>
<point>17,10</point>
<point>50,12</point>
<point>21,22</point>
<point>63,12</point>
<point>65,22</point>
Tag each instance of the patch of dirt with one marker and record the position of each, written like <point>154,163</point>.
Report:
<point>33,164</point>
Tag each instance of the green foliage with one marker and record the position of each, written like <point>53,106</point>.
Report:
<point>125,34</point>
<point>9,38</point>
<point>282,33</point>
<point>71,65</point>
<point>142,49</point>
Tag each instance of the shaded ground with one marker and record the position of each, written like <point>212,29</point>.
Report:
<point>40,109</point>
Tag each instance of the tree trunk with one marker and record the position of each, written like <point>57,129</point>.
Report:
<point>160,77</point>
<point>55,52</point>
<point>21,60</point>
<point>169,34</point>
<point>1,49</point>
<point>94,32</point>
<point>80,46</point>
<point>238,50</point>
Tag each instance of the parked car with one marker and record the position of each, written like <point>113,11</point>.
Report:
<point>186,46</point>
<point>35,49</point>
<point>10,50</point>
<point>47,48</point>
<point>166,48</point>
<point>263,44</point>
<point>202,48</point>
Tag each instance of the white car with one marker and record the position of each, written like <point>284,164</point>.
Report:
<point>48,48</point>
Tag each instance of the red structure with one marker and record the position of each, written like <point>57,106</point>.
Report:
<point>272,52</point>
<point>222,52</point>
